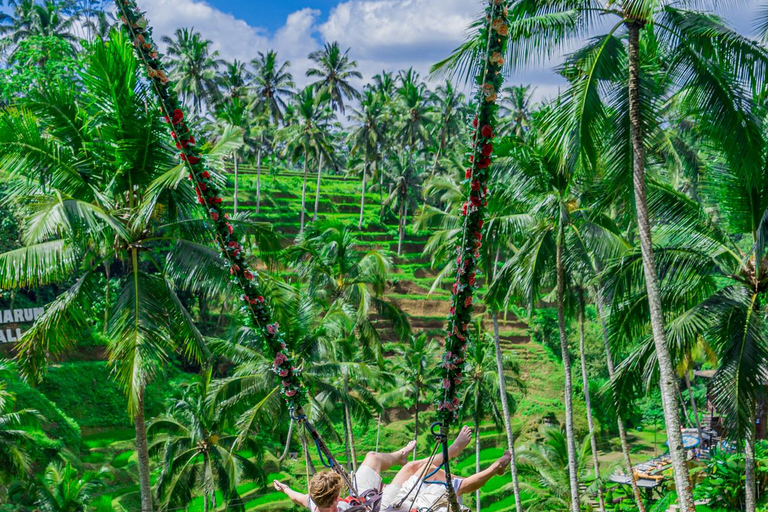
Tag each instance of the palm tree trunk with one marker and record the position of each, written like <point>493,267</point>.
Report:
<point>142,451</point>
<point>237,182</point>
<point>750,491</point>
<point>685,418</point>
<point>403,216</point>
<point>362,197</point>
<point>588,404</point>
<point>668,381</point>
<point>205,502</point>
<point>505,409</point>
<point>347,450</point>
<point>317,190</point>
<point>308,460</point>
<point>304,190</point>
<point>378,430</point>
<point>258,181</point>
<point>416,426</point>
<point>620,422</point>
<point>569,431</point>
<point>477,440</point>
<point>381,194</point>
<point>693,405</point>
<point>287,442</point>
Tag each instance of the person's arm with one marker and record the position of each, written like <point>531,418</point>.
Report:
<point>296,498</point>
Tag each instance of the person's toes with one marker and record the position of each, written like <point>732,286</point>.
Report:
<point>278,486</point>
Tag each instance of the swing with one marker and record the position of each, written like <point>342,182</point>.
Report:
<point>256,307</point>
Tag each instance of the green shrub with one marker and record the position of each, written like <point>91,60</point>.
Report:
<point>89,393</point>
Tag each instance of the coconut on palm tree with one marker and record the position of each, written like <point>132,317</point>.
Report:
<point>334,70</point>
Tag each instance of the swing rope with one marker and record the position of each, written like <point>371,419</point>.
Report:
<point>255,307</point>
<point>495,32</point>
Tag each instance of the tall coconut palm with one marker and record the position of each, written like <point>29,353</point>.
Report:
<point>451,114</point>
<point>612,83</point>
<point>96,206</point>
<point>335,70</point>
<point>368,135</point>
<point>235,81</point>
<point>198,453</point>
<point>515,111</point>
<point>307,137</point>
<point>405,193</point>
<point>63,490</point>
<point>415,362</point>
<point>273,83</point>
<point>193,67</point>
<point>482,394</point>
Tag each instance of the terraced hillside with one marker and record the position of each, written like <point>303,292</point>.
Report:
<point>413,277</point>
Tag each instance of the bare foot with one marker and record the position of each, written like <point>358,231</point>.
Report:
<point>502,463</point>
<point>280,487</point>
<point>461,442</point>
<point>402,454</point>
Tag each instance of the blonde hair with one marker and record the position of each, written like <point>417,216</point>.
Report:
<point>325,489</point>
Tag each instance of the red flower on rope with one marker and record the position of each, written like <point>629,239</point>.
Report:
<point>484,163</point>
<point>488,150</point>
<point>468,174</point>
<point>468,301</point>
<point>487,132</point>
<point>248,275</point>
<point>233,270</point>
<point>191,159</point>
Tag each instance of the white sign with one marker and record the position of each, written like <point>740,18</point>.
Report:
<point>10,332</point>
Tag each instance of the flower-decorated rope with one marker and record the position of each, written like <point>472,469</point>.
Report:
<point>489,81</point>
<point>255,306</point>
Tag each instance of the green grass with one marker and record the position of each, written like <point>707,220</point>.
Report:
<point>108,437</point>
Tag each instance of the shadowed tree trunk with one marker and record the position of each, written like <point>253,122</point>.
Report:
<point>693,404</point>
<point>622,429</point>
<point>573,474</point>
<point>258,181</point>
<point>416,424</point>
<point>287,442</point>
<point>317,190</point>
<point>668,377</point>
<point>235,195</point>
<point>750,490</point>
<point>142,451</point>
<point>362,197</point>
<point>588,403</point>
<point>307,458</point>
<point>304,189</point>
<point>403,217</point>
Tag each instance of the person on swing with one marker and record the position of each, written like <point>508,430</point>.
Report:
<point>406,492</point>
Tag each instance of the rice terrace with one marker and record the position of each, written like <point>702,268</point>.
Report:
<point>384,255</point>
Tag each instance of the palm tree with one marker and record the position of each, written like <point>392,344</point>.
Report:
<point>125,210</point>
<point>610,86</point>
<point>193,67</point>
<point>272,83</point>
<point>344,279</point>
<point>334,70</point>
<point>542,465</point>
<point>405,191</point>
<point>235,80</point>
<point>198,452</point>
<point>482,392</point>
<point>307,137</point>
<point>516,109</point>
<point>415,363</point>
<point>15,435</point>
<point>63,490</point>
<point>368,136</point>
<point>450,116</point>
<point>414,116</point>
<point>32,19</point>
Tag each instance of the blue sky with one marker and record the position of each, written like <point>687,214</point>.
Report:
<point>270,14</point>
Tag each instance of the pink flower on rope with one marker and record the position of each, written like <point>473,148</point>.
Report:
<point>272,328</point>
<point>280,358</point>
<point>468,301</point>
<point>446,383</point>
<point>283,373</point>
<point>290,393</point>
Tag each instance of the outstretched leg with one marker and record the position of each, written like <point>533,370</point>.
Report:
<point>296,498</point>
<point>411,468</point>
